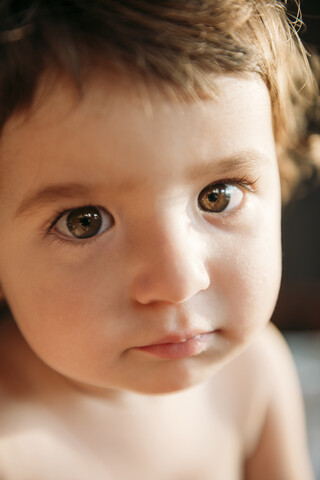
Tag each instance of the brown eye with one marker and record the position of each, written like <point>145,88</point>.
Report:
<point>83,222</point>
<point>220,197</point>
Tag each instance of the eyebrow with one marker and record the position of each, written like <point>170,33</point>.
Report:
<point>51,193</point>
<point>246,160</point>
<point>225,166</point>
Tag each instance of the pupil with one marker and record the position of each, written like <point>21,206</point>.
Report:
<point>213,196</point>
<point>85,222</point>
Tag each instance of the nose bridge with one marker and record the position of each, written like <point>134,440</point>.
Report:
<point>170,261</point>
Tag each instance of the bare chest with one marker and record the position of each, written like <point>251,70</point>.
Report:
<point>159,448</point>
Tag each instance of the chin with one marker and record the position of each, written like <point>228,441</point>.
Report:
<point>172,379</point>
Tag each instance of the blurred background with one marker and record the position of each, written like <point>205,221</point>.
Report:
<point>297,313</point>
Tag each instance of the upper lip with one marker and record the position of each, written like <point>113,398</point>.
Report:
<point>177,338</point>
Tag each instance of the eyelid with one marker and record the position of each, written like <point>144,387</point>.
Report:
<point>244,181</point>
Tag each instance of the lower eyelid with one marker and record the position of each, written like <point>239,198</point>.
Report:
<point>59,240</point>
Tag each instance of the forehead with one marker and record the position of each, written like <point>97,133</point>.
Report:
<point>57,98</point>
<point>117,120</point>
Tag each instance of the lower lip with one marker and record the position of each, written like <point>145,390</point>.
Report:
<point>171,351</point>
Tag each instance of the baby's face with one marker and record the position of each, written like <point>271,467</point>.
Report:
<point>140,241</point>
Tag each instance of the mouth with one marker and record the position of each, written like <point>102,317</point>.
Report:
<point>174,347</point>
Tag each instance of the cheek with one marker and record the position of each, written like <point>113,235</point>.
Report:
<point>66,319</point>
<point>249,281</point>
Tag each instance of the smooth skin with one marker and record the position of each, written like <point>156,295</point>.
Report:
<point>186,201</point>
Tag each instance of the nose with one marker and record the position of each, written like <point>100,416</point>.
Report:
<point>170,264</point>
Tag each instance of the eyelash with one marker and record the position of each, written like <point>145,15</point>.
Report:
<point>245,181</point>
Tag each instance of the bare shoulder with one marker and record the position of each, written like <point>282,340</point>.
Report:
<point>272,358</point>
<point>14,386</point>
<point>280,449</point>
<point>23,393</point>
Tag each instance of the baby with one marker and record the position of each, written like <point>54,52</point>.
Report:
<point>142,148</point>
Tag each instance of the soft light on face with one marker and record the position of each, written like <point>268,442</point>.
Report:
<point>140,247</point>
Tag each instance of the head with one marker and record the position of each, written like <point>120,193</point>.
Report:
<point>141,148</point>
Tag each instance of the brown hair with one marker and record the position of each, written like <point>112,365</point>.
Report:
<point>176,43</point>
